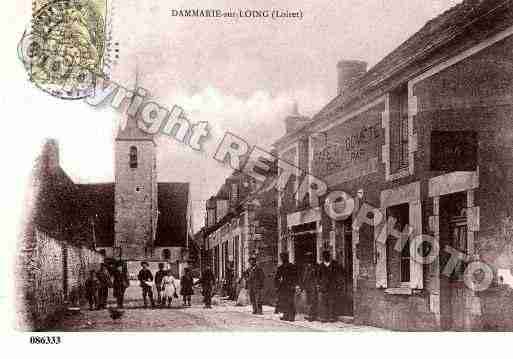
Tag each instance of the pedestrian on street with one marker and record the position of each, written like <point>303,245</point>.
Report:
<point>207,283</point>
<point>91,289</point>
<point>255,283</point>
<point>120,283</point>
<point>310,285</point>
<point>286,282</point>
<point>104,282</point>
<point>158,282</point>
<point>230,282</point>
<point>186,284</point>
<point>328,287</point>
<point>168,289</point>
<point>145,279</point>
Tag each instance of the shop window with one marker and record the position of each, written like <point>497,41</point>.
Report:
<point>133,157</point>
<point>397,267</point>
<point>398,249</point>
<point>166,254</point>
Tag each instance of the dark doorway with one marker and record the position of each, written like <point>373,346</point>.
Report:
<point>345,259</point>
<point>453,233</point>
<point>303,244</point>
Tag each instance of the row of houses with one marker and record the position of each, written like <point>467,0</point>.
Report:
<point>425,137</point>
<point>240,222</point>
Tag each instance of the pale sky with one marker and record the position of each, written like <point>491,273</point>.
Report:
<point>240,75</point>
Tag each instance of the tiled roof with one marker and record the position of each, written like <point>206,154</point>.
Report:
<point>97,201</point>
<point>436,33</point>
<point>173,199</point>
<point>469,19</point>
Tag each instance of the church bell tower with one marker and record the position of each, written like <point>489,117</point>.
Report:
<point>135,192</point>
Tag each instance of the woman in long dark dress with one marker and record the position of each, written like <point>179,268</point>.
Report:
<point>186,284</point>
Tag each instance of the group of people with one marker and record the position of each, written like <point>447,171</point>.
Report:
<point>321,284</point>
<point>167,286</point>
<point>98,283</point>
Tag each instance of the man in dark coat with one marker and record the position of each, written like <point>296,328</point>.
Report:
<point>328,287</point>
<point>230,282</point>
<point>104,282</point>
<point>207,281</point>
<point>158,282</point>
<point>186,287</point>
<point>145,277</point>
<point>310,285</point>
<point>255,284</point>
<point>120,283</point>
<point>286,281</point>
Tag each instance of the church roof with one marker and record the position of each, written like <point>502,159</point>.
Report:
<point>128,130</point>
<point>97,201</point>
<point>173,201</point>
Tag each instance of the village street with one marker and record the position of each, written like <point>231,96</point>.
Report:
<point>224,316</point>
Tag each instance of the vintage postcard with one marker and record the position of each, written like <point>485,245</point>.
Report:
<point>271,166</point>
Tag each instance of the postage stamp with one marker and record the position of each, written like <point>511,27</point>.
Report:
<point>64,47</point>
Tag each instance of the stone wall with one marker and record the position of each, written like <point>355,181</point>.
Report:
<point>51,274</point>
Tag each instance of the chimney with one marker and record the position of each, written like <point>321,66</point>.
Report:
<point>51,156</point>
<point>349,71</point>
<point>294,121</point>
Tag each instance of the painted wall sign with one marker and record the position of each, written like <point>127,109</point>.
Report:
<point>345,146</point>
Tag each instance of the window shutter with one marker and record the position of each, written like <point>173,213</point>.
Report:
<point>473,219</point>
<point>381,257</point>
<point>416,266</point>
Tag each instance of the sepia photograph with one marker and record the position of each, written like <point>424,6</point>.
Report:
<point>259,167</point>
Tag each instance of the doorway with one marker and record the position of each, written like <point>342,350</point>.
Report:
<point>345,258</point>
<point>305,243</point>
<point>453,233</point>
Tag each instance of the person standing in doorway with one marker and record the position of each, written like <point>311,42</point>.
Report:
<point>145,279</point>
<point>186,284</point>
<point>104,282</point>
<point>286,281</point>
<point>310,285</point>
<point>230,282</point>
<point>328,287</point>
<point>207,283</point>
<point>255,283</point>
<point>158,282</point>
<point>120,283</point>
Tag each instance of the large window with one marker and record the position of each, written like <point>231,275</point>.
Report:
<point>398,249</point>
<point>399,132</point>
<point>133,157</point>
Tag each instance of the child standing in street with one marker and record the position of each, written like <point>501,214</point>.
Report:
<point>186,289</point>
<point>168,289</point>
<point>91,288</point>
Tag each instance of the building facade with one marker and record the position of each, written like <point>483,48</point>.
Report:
<point>241,222</point>
<point>425,138</point>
